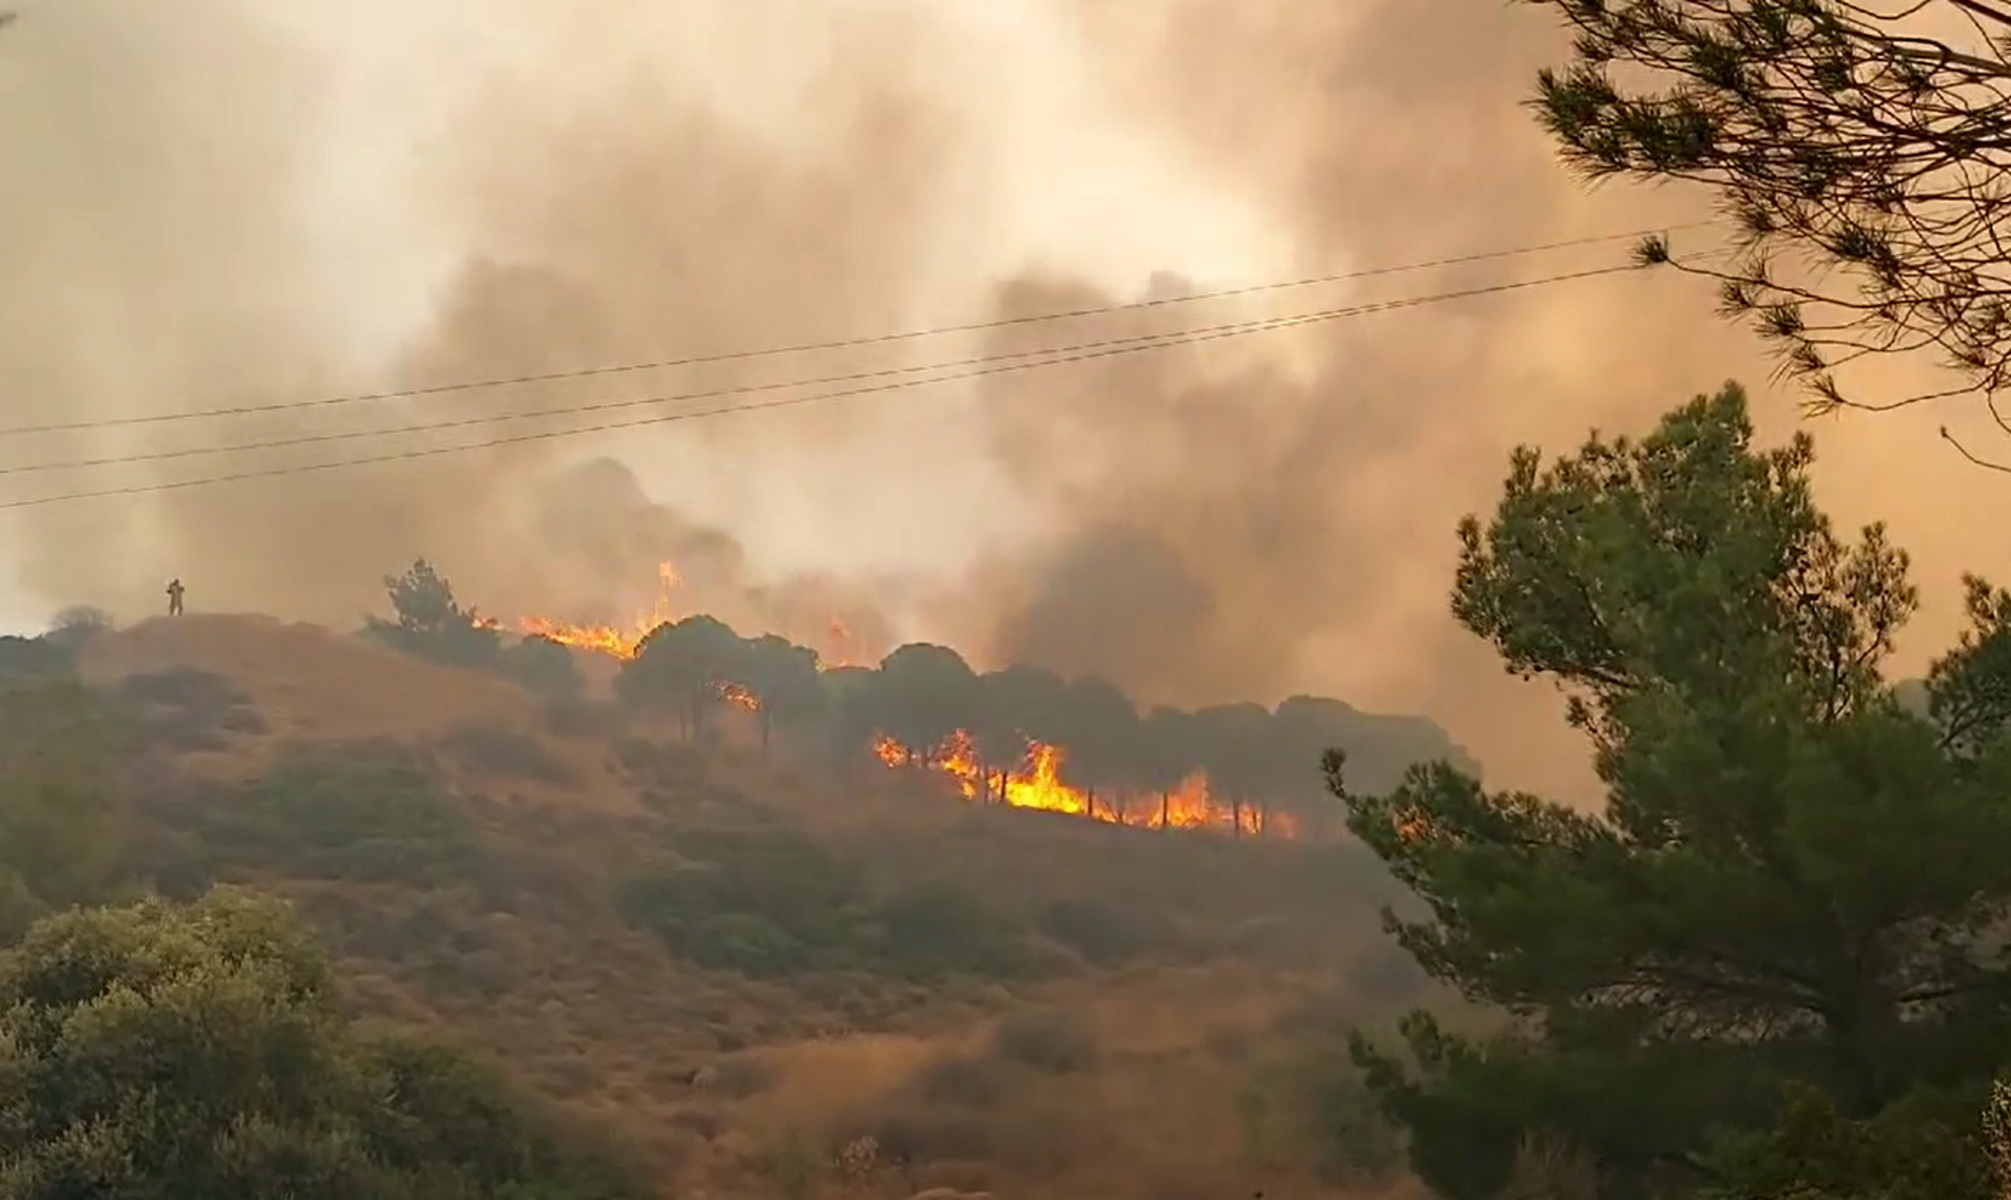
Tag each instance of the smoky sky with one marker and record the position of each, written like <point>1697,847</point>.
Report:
<point>625,183</point>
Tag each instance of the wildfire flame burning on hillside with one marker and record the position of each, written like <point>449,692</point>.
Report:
<point>739,697</point>
<point>1036,783</point>
<point>620,641</point>
<point>838,647</point>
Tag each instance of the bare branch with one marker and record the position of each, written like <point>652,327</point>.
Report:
<point>1973,458</point>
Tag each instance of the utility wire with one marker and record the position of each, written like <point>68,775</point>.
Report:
<point>1131,346</point>
<point>310,439</point>
<point>1139,341</point>
<point>837,344</point>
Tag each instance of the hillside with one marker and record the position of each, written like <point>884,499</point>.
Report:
<point>743,967</point>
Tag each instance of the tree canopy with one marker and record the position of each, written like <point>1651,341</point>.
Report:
<point>1778,945</point>
<point>682,667</point>
<point>545,668</point>
<point>931,702</point>
<point>1853,137</point>
<point>165,1053</point>
<point>430,623</point>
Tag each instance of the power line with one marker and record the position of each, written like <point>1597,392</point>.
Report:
<point>1163,342</point>
<point>1141,341</point>
<point>312,439</point>
<point>836,344</point>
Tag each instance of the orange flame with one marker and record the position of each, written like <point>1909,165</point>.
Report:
<point>621,642</point>
<point>739,697</point>
<point>1035,783</point>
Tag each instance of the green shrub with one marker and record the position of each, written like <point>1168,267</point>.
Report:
<point>658,765</point>
<point>186,710</point>
<point>363,813</point>
<point>762,904</point>
<point>35,660</point>
<point>772,902</point>
<point>189,1053</point>
<point>941,929</point>
<point>1094,930</point>
<point>495,751</point>
<point>1052,1041</point>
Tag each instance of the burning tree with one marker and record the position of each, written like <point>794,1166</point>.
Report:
<point>922,696</point>
<point>684,667</point>
<point>430,623</point>
<point>783,681</point>
<point>1021,736</point>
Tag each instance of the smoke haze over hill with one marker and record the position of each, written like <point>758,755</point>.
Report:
<point>234,202</point>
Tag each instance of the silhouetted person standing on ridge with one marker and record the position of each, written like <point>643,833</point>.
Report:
<point>175,590</point>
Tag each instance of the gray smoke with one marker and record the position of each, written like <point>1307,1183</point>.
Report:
<point>1240,519</point>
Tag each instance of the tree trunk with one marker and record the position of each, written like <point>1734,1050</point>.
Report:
<point>1165,810</point>
<point>698,714</point>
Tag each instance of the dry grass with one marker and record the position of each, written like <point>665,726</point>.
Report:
<point>310,681</point>
<point>1092,1080</point>
<point>312,684</point>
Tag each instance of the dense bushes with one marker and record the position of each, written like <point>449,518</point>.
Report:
<point>62,811</point>
<point>502,752</point>
<point>167,1053</point>
<point>768,904</point>
<point>775,903</point>
<point>31,660</point>
<point>185,710</point>
<point>363,813</point>
<point>939,928</point>
<point>1100,934</point>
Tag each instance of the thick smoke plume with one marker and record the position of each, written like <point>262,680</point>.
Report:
<point>627,182</point>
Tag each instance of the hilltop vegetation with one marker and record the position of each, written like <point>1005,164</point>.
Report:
<point>1018,735</point>
<point>751,970</point>
<point>600,950</point>
<point>1773,965</point>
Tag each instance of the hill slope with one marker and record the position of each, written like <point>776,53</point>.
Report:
<point>747,969</point>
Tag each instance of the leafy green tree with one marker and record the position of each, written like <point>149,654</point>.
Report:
<point>784,678</point>
<point>1103,739</point>
<point>1782,930</point>
<point>62,812</point>
<point>1016,705</point>
<point>1864,138</point>
<point>166,1053</point>
<point>430,623</point>
<point>682,667</point>
<point>1167,753</point>
<point>544,667</point>
<point>850,721</point>
<point>922,695</point>
<point>1239,748</point>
